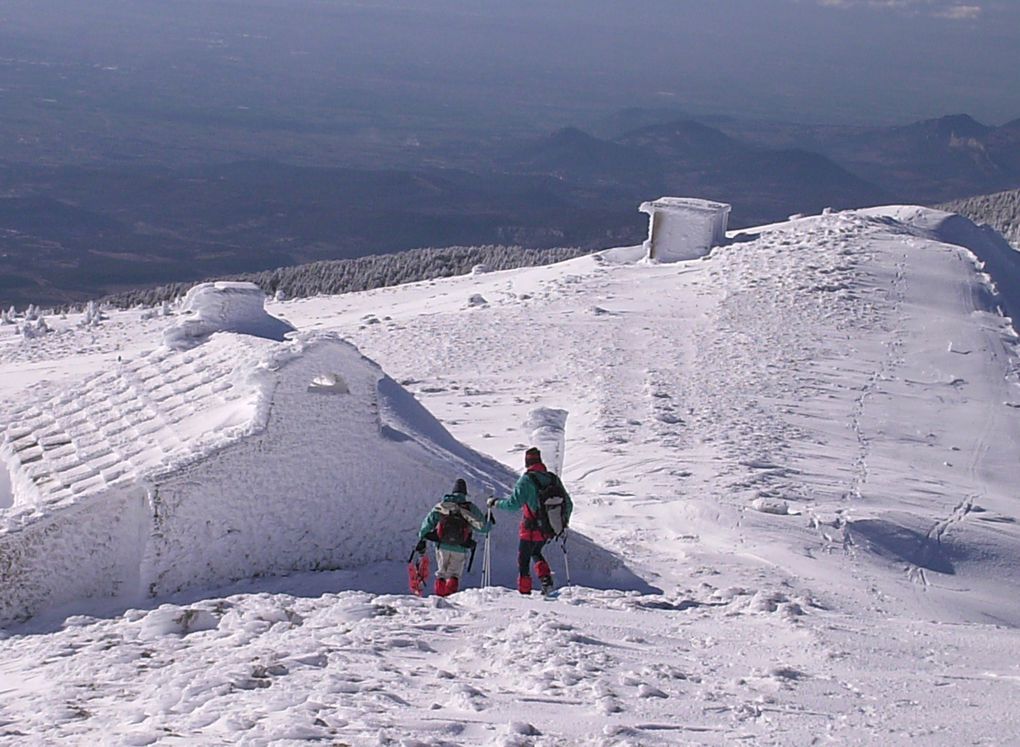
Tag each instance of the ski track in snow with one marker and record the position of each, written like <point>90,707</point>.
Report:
<point>787,437</point>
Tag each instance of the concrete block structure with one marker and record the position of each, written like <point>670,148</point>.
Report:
<point>682,228</point>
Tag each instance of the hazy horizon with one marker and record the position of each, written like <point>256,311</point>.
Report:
<point>529,64</point>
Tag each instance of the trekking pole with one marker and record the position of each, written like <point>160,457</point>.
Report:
<point>487,553</point>
<point>566,559</point>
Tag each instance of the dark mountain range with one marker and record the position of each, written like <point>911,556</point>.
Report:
<point>633,118</point>
<point>923,162</point>
<point>690,158</point>
<point>934,160</point>
<point>583,159</point>
<point>686,139</point>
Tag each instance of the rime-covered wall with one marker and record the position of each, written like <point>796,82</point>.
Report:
<point>681,229</point>
<point>325,486</point>
<point>78,551</point>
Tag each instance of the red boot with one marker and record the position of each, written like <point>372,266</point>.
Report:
<point>452,584</point>
<point>524,584</point>
<point>441,587</point>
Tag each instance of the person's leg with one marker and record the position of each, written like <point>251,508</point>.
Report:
<point>454,570</point>
<point>524,551</point>
<point>541,567</point>
<point>449,568</point>
<point>442,570</point>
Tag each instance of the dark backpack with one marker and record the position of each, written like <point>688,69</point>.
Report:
<point>455,525</point>
<point>552,501</point>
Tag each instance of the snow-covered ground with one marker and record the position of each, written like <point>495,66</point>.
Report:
<point>805,446</point>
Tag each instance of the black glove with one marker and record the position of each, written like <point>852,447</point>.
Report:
<point>420,547</point>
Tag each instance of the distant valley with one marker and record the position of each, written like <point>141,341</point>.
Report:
<point>69,232</point>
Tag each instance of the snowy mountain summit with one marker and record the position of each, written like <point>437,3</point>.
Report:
<point>793,461</point>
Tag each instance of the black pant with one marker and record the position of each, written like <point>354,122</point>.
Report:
<point>527,551</point>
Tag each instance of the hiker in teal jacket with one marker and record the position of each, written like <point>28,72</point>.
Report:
<point>532,535</point>
<point>450,524</point>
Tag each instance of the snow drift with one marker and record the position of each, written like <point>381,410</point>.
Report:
<point>223,307</point>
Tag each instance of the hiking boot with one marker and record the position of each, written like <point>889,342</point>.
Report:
<point>524,584</point>
<point>547,585</point>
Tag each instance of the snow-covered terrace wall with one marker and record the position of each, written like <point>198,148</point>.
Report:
<point>681,228</point>
<point>327,484</point>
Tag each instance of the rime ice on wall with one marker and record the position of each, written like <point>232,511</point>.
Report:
<point>682,228</point>
<point>6,489</point>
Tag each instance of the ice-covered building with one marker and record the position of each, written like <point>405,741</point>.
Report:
<point>682,228</point>
<point>223,455</point>
<point>240,457</point>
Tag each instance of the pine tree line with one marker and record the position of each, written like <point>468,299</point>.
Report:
<point>330,277</point>
<point>1001,211</point>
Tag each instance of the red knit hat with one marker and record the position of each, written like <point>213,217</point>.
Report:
<point>532,456</point>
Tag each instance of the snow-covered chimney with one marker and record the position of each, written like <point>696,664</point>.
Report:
<point>683,227</point>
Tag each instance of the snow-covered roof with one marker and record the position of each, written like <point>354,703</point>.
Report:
<point>685,204</point>
<point>140,417</point>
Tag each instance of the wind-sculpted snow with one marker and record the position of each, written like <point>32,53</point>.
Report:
<point>808,440</point>
<point>223,307</point>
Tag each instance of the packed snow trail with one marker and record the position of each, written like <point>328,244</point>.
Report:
<point>758,400</point>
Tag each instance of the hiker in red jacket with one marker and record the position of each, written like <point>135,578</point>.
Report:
<point>535,530</point>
